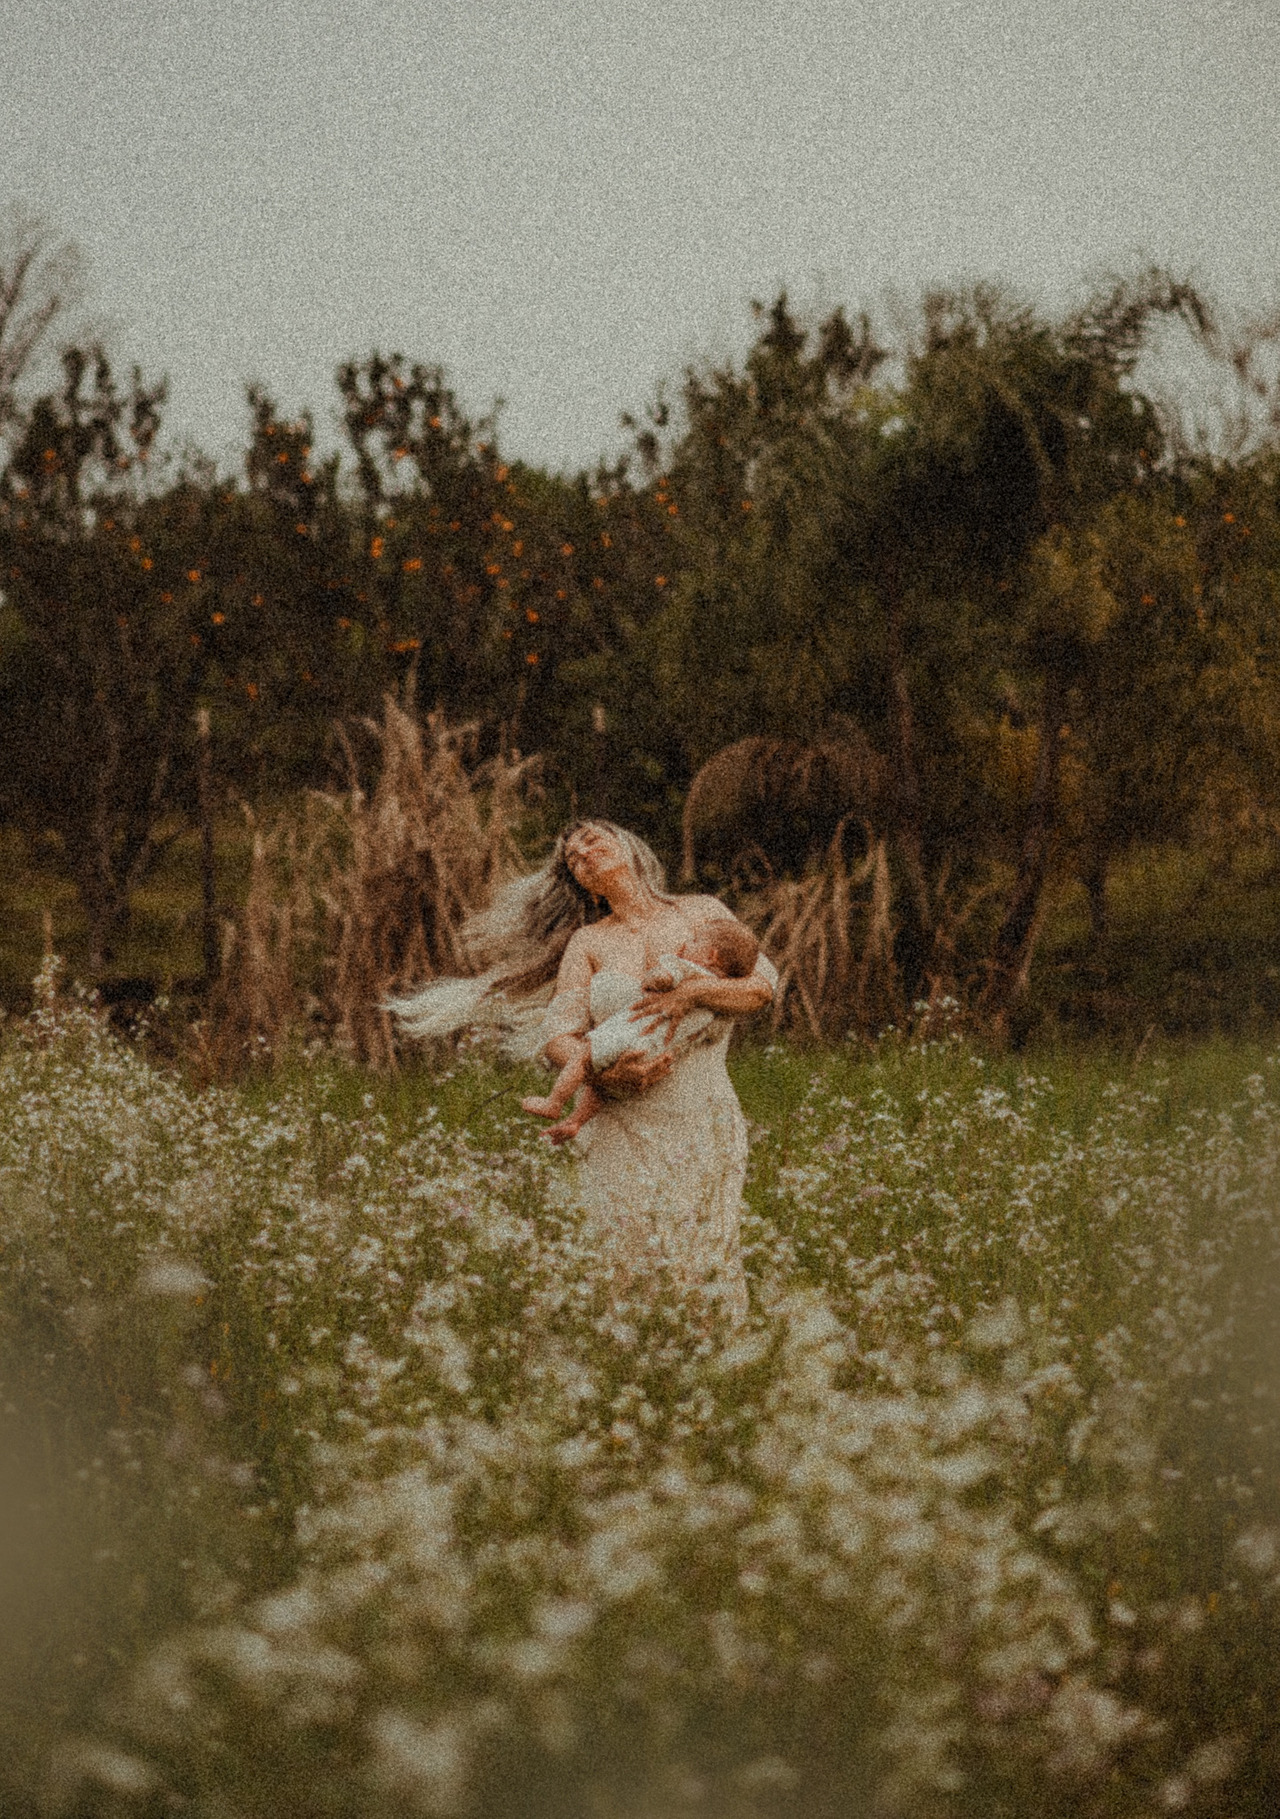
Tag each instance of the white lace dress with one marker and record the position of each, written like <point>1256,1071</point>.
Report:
<point>660,1175</point>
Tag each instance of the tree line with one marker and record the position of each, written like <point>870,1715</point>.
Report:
<point>983,551</point>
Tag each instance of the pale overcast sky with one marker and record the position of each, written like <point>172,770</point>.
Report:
<point>564,202</point>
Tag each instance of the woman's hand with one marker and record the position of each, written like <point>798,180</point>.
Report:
<point>657,1007</point>
<point>634,1073</point>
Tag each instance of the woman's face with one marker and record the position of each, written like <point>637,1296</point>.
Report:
<point>594,856</point>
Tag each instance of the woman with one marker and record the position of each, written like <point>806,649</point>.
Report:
<point>660,1170</point>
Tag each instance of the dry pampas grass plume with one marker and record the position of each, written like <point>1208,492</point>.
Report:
<point>359,896</point>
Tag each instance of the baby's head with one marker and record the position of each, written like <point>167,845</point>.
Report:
<point>723,946</point>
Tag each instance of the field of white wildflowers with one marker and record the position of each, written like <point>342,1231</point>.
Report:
<point>336,1481</point>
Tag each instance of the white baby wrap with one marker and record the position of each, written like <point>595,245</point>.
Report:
<point>615,995</point>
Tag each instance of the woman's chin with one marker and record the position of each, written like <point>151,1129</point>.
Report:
<point>617,875</point>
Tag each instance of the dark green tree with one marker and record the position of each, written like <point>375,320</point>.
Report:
<point>103,655</point>
<point>431,512</point>
<point>913,553</point>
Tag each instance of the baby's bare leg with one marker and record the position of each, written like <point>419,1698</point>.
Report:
<point>589,1103</point>
<point>569,1079</point>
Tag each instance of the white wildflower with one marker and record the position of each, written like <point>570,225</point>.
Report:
<point>997,1329</point>
<point>101,1765</point>
<point>425,1765</point>
<point>562,1619</point>
<point>1259,1548</point>
<point>958,1471</point>
<point>169,1277</point>
<point>1090,1724</point>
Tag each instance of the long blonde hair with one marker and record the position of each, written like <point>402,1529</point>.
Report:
<point>517,944</point>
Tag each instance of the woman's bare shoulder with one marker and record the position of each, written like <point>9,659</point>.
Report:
<point>588,944</point>
<point>696,904</point>
<point>579,945</point>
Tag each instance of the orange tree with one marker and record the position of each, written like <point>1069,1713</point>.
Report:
<point>296,633</point>
<point>510,594</point>
<point>426,517</point>
<point>696,638</point>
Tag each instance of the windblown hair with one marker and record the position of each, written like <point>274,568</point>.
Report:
<point>517,944</point>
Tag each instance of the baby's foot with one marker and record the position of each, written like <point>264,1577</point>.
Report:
<point>541,1108</point>
<point>561,1133</point>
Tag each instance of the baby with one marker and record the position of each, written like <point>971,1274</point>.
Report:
<point>719,948</point>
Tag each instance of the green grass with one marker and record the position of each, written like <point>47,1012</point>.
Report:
<point>1193,948</point>
<point>163,939</point>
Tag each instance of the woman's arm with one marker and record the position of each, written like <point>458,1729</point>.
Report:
<point>730,997</point>
<point>568,1016</point>
<point>726,997</point>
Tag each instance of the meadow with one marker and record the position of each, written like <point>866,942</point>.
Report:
<point>341,1481</point>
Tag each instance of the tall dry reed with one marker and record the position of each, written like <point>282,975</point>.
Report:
<point>830,935</point>
<point>271,952</point>
<point>354,897</point>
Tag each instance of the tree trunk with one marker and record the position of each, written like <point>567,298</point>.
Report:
<point>110,832</point>
<point>599,786</point>
<point>208,893</point>
<point>106,910</point>
<point>1015,942</point>
<point>914,941</point>
<point>1095,883</point>
<point>91,845</point>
